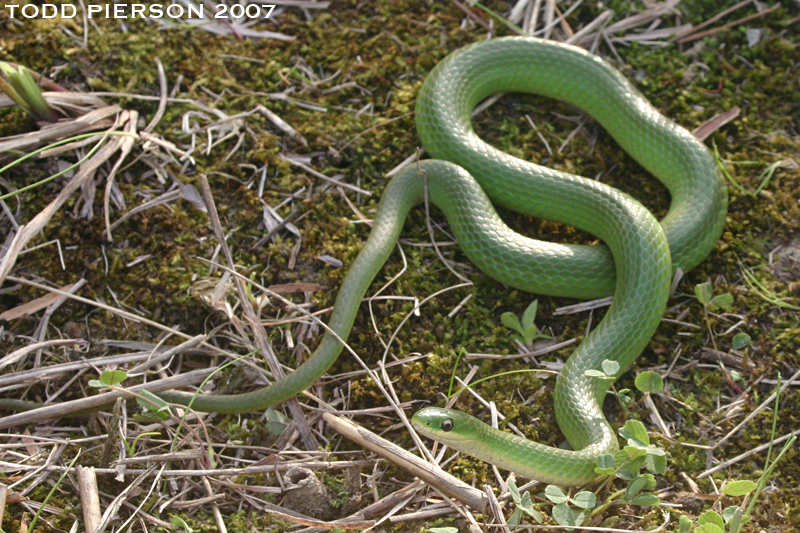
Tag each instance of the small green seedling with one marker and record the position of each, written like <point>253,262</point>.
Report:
<point>150,402</point>
<point>568,515</point>
<point>705,295</point>
<point>109,378</point>
<point>180,522</point>
<point>740,341</point>
<point>523,504</point>
<point>526,329</point>
<point>19,85</point>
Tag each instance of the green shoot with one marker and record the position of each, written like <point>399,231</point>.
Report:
<point>567,515</point>
<point>705,295</point>
<point>499,374</point>
<point>53,491</point>
<point>181,523</point>
<point>526,330</point>
<point>765,176</point>
<point>19,85</point>
<point>523,504</point>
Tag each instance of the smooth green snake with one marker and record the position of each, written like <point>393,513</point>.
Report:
<point>465,172</point>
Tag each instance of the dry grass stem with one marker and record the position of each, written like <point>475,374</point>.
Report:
<point>429,473</point>
<point>90,498</point>
<point>99,119</point>
<point>18,355</point>
<point>551,347</point>
<point>303,166</point>
<point>700,35</point>
<point>584,306</point>
<point>704,130</point>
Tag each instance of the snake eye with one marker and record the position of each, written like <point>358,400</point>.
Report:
<point>447,424</point>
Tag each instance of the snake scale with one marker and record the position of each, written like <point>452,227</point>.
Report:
<point>466,176</point>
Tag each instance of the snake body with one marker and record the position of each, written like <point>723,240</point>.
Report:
<point>467,175</point>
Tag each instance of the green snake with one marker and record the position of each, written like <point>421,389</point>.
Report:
<point>465,172</point>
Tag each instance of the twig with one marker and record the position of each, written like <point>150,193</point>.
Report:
<point>724,27</point>
<point>472,15</point>
<point>748,453</point>
<point>90,499</point>
<point>711,125</point>
<point>712,19</point>
<point>429,473</point>
<point>761,407</point>
<point>322,176</point>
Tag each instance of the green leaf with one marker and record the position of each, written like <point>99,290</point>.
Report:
<point>592,373</point>
<point>704,292</point>
<point>530,334</point>
<point>733,517</point>
<point>529,316</point>
<point>635,430</point>
<point>631,469</point>
<point>610,367</point>
<point>179,522</point>
<point>739,488</point>
<point>649,381</point>
<point>740,340</point>
<point>656,464</point>
<point>527,506</point>
<point>729,513</point>
<point>710,517</point>
<point>153,404</point>
<point>635,450</point>
<point>515,518</point>
<point>584,500</point>
<point>512,488</point>
<point>646,499</point>
<point>276,422</point>
<point>564,516</point>
<point>444,529</point>
<point>655,451</point>
<point>109,378</point>
<point>511,321</point>
<point>635,486</point>
<point>113,377</point>
<point>555,494</point>
<point>605,464</point>
<point>709,528</point>
<point>725,301</point>
<point>685,524</point>
<point>624,398</point>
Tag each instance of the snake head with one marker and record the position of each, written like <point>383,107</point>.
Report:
<point>443,425</point>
